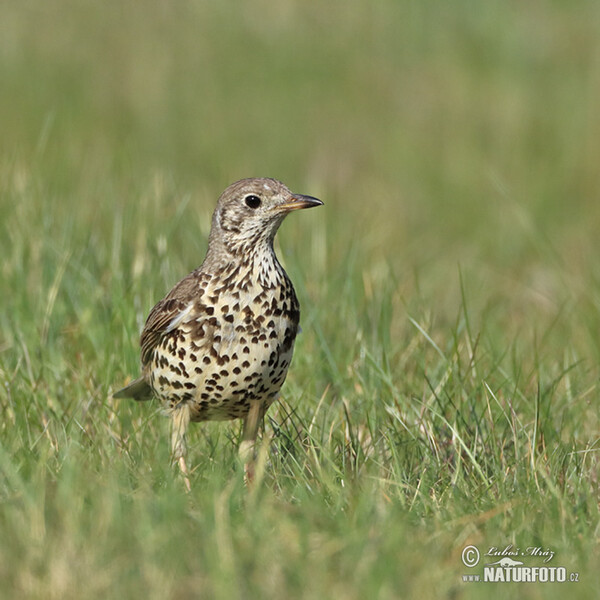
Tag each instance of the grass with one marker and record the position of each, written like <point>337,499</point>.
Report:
<point>444,390</point>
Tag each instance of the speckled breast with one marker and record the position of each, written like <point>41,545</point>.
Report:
<point>235,348</point>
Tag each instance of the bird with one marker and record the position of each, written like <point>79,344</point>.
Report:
<point>218,346</point>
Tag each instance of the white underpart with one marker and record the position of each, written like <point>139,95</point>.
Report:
<point>268,272</point>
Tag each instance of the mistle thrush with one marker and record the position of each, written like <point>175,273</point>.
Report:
<point>219,345</point>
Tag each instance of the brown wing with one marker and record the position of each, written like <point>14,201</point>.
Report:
<point>177,307</point>
<point>159,319</point>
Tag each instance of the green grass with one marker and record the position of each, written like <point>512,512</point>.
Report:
<point>444,390</point>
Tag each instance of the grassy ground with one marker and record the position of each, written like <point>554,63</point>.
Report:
<point>444,391</point>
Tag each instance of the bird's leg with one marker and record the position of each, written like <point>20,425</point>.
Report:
<point>184,471</point>
<point>246,450</point>
<point>180,420</point>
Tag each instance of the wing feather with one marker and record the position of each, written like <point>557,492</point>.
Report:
<point>177,308</point>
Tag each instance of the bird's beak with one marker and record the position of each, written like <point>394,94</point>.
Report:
<point>300,201</point>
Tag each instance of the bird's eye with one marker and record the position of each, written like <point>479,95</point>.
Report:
<point>252,201</point>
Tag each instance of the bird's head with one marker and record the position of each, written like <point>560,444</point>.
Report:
<point>250,211</point>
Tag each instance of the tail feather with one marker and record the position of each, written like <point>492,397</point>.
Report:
<point>137,389</point>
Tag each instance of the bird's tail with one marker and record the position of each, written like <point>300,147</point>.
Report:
<point>137,389</point>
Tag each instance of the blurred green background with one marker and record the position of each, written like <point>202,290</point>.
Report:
<point>457,149</point>
<point>439,134</point>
